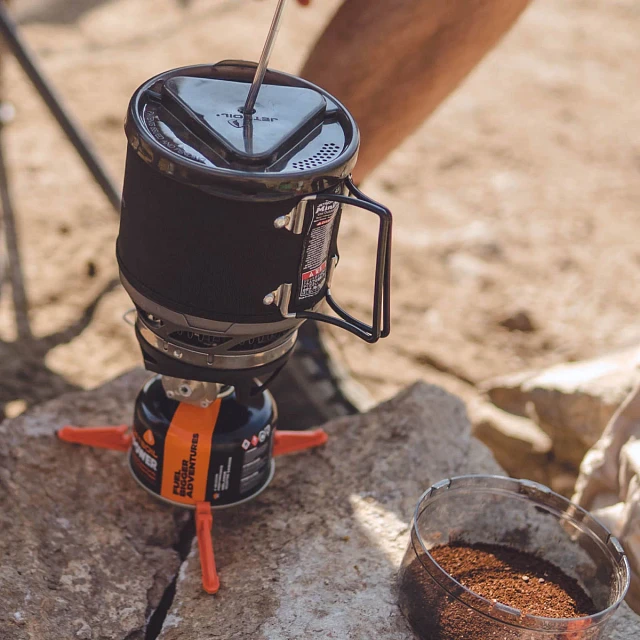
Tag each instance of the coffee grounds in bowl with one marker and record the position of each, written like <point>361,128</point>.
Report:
<point>502,574</point>
<point>516,579</point>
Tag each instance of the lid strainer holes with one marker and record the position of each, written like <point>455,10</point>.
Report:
<point>327,152</point>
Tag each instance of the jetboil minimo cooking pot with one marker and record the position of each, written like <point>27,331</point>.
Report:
<point>228,237</point>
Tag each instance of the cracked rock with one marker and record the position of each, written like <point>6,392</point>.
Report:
<point>85,554</point>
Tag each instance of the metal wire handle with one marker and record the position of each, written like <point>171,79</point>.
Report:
<point>381,312</point>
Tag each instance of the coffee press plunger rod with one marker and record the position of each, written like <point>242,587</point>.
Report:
<point>258,79</point>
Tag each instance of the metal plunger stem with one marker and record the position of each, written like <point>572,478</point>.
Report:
<point>258,79</point>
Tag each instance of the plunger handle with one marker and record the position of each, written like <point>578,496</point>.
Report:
<point>204,522</point>
<point>114,438</point>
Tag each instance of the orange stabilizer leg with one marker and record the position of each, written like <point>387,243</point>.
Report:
<point>291,441</point>
<point>115,438</point>
<point>204,522</point>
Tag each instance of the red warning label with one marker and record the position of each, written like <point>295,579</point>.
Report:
<point>313,280</point>
<point>307,275</point>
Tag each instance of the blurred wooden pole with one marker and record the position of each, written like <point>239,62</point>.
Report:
<point>18,47</point>
<point>393,63</point>
<point>3,249</point>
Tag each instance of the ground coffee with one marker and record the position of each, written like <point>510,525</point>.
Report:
<point>519,580</point>
<point>502,574</point>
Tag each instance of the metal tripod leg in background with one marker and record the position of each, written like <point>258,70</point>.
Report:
<point>13,264</point>
<point>19,49</point>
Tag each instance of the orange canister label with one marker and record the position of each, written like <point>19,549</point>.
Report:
<point>187,453</point>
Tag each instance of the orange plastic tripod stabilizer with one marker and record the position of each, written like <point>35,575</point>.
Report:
<point>291,441</point>
<point>204,522</point>
<point>119,439</point>
<point>114,438</point>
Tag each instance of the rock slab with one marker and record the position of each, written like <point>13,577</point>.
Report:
<point>84,554</point>
<point>571,402</point>
<point>316,555</point>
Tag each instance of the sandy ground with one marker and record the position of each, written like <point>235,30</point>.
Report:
<point>520,194</point>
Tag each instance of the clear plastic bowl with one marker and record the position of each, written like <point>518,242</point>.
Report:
<point>520,514</point>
